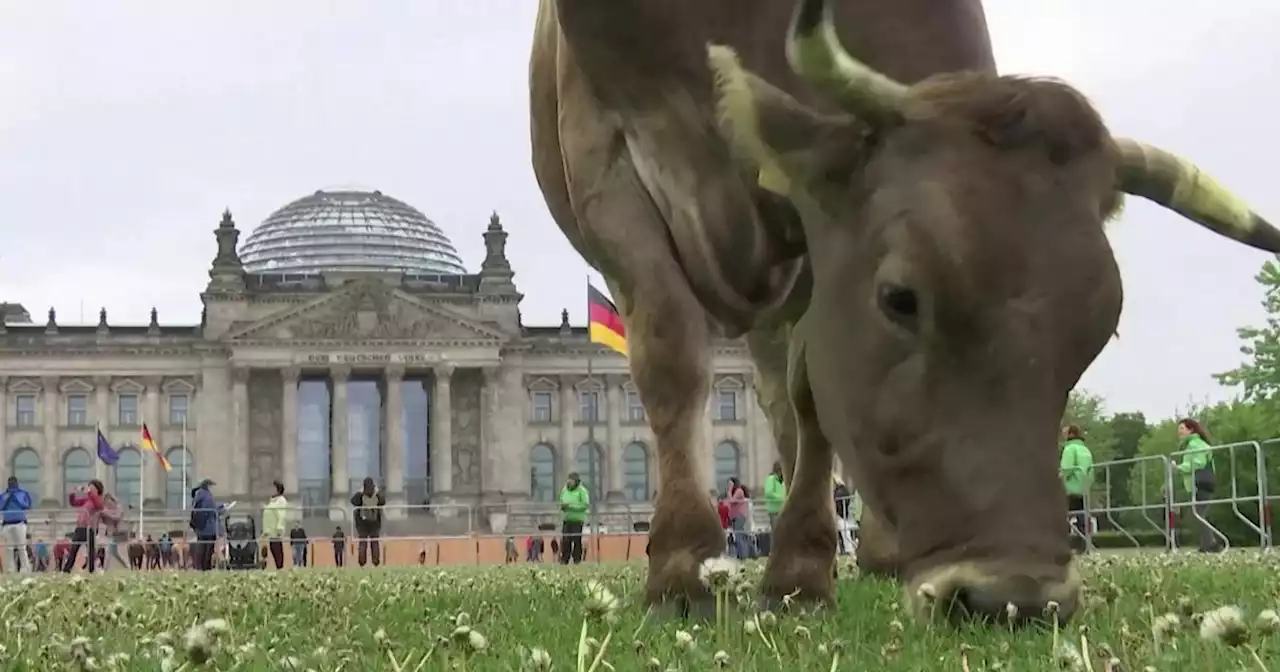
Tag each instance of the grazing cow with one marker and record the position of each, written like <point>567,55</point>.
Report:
<point>912,245</point>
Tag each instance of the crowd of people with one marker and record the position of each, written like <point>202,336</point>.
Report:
<point>99,517</point>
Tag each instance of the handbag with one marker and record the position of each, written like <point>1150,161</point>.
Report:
<point>1204,479</point>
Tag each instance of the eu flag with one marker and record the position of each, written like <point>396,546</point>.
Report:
<point>106,453</point>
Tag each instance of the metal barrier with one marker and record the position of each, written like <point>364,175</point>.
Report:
<point>1235,500</point>
<point>1143,508</point>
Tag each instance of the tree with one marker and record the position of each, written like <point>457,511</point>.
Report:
<point>1259,377</point>
<point>1127,432</point>
<point>1088,412</point>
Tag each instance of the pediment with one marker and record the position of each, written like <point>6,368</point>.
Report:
<point>367,311</point>
<point>76,386</point>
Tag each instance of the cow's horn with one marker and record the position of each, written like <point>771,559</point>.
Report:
<point>815,53</point>
<point>1177,184</point>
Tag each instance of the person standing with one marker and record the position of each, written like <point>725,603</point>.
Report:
<point>1076,470</point>
<point>273,524</point>
<point>89,502</point>
<point>204,522</point>
<point>298,542</point>
<point>339,547</point>
<point>1198,478</point>
<point>775,493</point>
<point>368,505</point>
<point>738,512</point>
<point>15,502</point>
<point>575,500</point>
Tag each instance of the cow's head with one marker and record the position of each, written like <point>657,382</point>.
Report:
<point>962,283</point>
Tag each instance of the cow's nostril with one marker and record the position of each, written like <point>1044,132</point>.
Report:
<point>992,606</point>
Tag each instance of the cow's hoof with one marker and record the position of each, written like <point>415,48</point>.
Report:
<point>797,581</point>
<point>797,602</point>
<point>684,608</point>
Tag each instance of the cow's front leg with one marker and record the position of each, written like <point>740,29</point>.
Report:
<point>802,560</point>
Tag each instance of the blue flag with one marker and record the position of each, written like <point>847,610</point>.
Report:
<point>106,453</point>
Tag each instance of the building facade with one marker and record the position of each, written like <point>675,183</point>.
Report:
<point>325,355</point>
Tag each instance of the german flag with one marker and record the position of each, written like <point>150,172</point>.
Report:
<point>604,324</point>
<point>149,444</point>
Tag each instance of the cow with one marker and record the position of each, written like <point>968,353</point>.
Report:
<point>912,245</point>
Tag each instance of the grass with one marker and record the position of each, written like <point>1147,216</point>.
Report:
<point>1146,611</point>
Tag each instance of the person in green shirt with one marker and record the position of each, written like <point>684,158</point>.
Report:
<point>775,493</point>
<point>1076,471</point>
<point>574,502</point>
<point>1198,478</point>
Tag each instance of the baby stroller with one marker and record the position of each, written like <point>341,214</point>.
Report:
<point>242,542</point>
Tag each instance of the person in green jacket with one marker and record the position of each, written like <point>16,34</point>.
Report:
<point>1198,478</point>
<point>1076,471</point>
<point>574,502</point>
<point>775,493</point>
<point>273,524</point>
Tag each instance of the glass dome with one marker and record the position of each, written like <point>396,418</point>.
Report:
<point>349,231</point>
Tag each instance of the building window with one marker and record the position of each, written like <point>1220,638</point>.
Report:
<point>635,472</point>
<point>590,406</point>
<point>635,409</point>
<point>178,404</point>
<point>728,464</point>
<point>542,473</point>
<point>728,403</point>
<point>542,407</point>
<point>25,407</point>
<point>77,410</point>
<point>128,410</point>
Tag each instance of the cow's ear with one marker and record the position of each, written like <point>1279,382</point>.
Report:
<point>785,141</point>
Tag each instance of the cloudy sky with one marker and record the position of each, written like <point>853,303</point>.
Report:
<point>127,127</point>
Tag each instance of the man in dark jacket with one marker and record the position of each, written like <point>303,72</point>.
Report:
<point>204,522</point>
<point>368,505</point>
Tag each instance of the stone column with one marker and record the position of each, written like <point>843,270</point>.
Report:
<point>239,468</point>
<point>442,435</point>
<point>51,463</point>
<point>614,481</point>
<point>6,461</point>
<point>393,450</point>
<point>707,451</point>
<point>339,435</point>
<point>155,480</point>
<point>568,410</point>
<point>491,448</point>
<point>102,411</point>
<point>289,429</point>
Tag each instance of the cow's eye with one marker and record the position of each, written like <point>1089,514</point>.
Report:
<point>899,304</point>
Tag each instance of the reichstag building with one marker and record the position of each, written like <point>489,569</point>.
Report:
<point>345,338</point>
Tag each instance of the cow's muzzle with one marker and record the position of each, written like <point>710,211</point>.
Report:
<point>996,593</point>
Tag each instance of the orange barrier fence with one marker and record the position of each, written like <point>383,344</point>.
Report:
<point>470,550</point>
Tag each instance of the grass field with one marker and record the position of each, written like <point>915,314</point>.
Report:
<point>532,618</point>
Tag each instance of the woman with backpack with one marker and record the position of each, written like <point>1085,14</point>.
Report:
<point>1198,478</point>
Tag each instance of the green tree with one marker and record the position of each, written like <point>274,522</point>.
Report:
<point>1259,377</point>
<point>1127,431</point>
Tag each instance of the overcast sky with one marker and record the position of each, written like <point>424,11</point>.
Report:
<point>127,127</point>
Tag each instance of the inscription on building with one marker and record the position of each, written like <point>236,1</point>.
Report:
<point>379,358</point>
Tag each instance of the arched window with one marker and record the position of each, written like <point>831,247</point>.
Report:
<point>635,472</point>
<point>728,463</point>
<point>588,465</point>
<point>77,471</point>
<point>26,468</point>
<point>176,496</point>
<point>129,477</point>
<point>542,473</point>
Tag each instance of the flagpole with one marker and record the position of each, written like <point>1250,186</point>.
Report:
<point>142,479</point>
<point>596,455</point>
<point>184,462</point>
